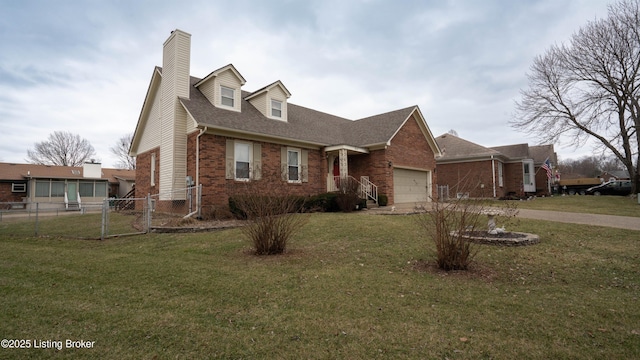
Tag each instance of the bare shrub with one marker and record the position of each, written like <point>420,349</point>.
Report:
<point>348,197</point>
<point>272,213</point>
<point>448,221</point>
<point>445,224</point>
<point>214,212</point>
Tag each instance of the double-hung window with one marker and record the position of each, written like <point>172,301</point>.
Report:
<point>227,96</point>
<point>293,165</point>
<point>276,108</point>
<point>242,155</point>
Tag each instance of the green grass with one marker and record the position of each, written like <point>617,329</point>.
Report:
<point>605,205</point>
<point>351,286</point>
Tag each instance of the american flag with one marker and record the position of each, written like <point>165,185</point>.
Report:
<point>547,167</point>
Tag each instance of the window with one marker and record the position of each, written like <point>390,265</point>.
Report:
<point>42,188</point>
<point>18,187</point>
<point>242,160</point>
<point>276,108</point>
<point>153,169</point>
<point>57,189</point>
<point>101,189</point>
<point>227,96</point>
<point>293,165</point>
<point>500,177</point>
<point>86,189</point>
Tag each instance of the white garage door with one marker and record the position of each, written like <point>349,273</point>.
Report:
<point>410,186</point>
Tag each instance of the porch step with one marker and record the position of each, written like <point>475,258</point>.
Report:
<point>73,206</point>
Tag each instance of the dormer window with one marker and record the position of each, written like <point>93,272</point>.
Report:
<point>276,108</point>
<point>227,96</point>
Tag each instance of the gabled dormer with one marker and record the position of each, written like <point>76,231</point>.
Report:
<point>223,87</point>
<point>271,100</point>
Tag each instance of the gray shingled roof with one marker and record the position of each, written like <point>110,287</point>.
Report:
<point>303,124</point>
<point>455,148</point>
<point>514,152</point>
<point>540,153</point>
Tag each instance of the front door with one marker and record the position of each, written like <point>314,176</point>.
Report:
<point>529,177</point>
<point>72,192</point>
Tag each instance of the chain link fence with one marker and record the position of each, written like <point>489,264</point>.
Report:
<point>170,208</point>
<point>50,219</point>
<point>111,218</point>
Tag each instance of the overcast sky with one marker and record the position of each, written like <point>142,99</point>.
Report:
<point>85,66</point>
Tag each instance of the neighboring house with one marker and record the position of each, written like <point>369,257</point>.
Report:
<point>68,187</point>
<point>214,133</point>
<point>121,181</point>
<point>469,169</point>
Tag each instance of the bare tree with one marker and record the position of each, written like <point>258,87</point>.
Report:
<point>121,151</point>
<point>589,166</point>
<point>63,149</point>
<point>590,88</point>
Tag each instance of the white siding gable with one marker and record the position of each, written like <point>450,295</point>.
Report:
<point>276,93</point>
<point>150,134</point>
<point>263,100</point>
<point>228,77</point>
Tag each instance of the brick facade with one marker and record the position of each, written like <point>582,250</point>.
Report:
<point>143,173</point>
<point>474,178</point>
<point>513,179</point>
<point>216,188</point>
<point>409,148</point>
<point>542,187</point>
<point>6,195</point>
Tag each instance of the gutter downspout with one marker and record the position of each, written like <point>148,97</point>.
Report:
<point>493,174</point>
<point>198,205</point>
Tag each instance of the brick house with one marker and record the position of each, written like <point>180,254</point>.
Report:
<point>213,132</point>
<point>469,169</point>
<point>22,185</point>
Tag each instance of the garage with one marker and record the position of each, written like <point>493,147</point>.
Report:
<point>411,186</point>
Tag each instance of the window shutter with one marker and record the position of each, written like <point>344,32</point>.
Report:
<point>230,166</point>
<point>257,161</point>
<point>284,163</point>
<point>304,162</point>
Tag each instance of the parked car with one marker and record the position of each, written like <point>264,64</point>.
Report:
<point>615,187</point>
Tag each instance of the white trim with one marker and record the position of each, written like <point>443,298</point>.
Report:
<point>222,97</point>
<point>152,181</point>
<point>15,187</point>
<point>235,159</point>
<point>346,147</point>
<point>299,152</point>
<point>272,108</point>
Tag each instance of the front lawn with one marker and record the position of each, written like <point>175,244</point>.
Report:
<point>605,205</point>
<point>352,286</point>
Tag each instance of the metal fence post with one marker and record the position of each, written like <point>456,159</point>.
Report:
<point>105,219</point>
<point>36,231</point>
<point>149,211</point>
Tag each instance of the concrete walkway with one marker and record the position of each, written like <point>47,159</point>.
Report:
<point>621,222</point>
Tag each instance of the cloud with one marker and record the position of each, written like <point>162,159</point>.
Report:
<point>85,67</point>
